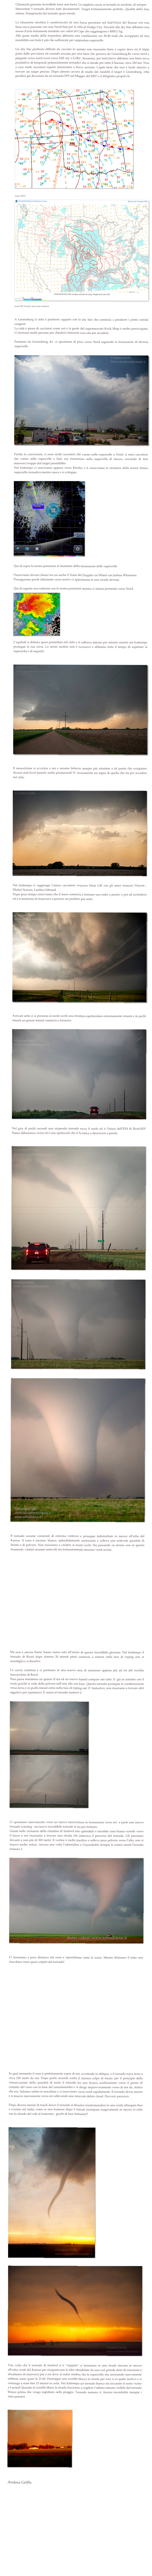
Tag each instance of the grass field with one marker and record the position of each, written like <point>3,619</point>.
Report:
<point>78,1508</point>
<point>66,1260</point>
<point>51,993</point>
<point>59,1116</point>
<point>78,1364</point>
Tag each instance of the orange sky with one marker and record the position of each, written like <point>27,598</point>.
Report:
<point>37,849</point>
<point>80,724</point>
<point>67,2305</point>
<point>38,2425</point>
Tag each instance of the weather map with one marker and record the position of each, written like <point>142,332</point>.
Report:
<point>69,252</point>
<point>85,140</point>
<point>49,518</point>
<point>36,612</point>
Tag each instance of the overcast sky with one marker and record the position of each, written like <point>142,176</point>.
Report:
<point>90,693</point>
<point>51,2185</point>
<point>49,1725</point>
<point>49,1753</point>
<point>49,1780</point>
<point>81,1897</point>
<point>80,828</point>
<point>55,1193</point>
<point>58,390</point>
<point>61,947</point>
<point>77,1437</point>
<point>67,1319</point>
<point>64,1070</point>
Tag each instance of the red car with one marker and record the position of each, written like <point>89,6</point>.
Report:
<point>94,1113</point>
<point>37,1252</point>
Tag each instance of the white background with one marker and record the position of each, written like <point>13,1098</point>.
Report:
<point>93,2012</point>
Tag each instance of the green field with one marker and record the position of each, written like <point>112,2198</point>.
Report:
<point>79,1508</point>
<point>51,993</point>
<point>45,1940</point>
<point>78,1364</point>
<point>97,1260</point>
<point>59,1116</point>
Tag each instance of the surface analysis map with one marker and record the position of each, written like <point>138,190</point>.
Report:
<point>62,141</point>
<point>66,252</point>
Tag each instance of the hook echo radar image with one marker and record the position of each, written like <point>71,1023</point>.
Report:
<point>75,250</point>
<point>64,141</point>
<point>36,612</point>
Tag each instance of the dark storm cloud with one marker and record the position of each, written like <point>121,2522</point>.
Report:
<point>89,692</point>
<point>65,2153</point>
<point>48,946</point>
<point>66,1070</point>
<point>48,805</point>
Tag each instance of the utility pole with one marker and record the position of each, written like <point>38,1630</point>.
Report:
<point>124,1104</point>
<point>86,1245</point>
<point>65,723</point>
<point>101,1240</point>
<point>21,1342</point>
<point>27,1347</point>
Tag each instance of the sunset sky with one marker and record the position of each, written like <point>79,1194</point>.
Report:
<point>51,2188</point>
<point>97,948</point>
<point>73,1319</point>
<point>65,1071</point>
<point>75,2307</point>
<point>38,2427</point>
<point>81,828</point>
<point>77,1436</point>
<point>90,693</point>
<point>58,1900</point>
<point>64,389</point>
<point>55,1193</point>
